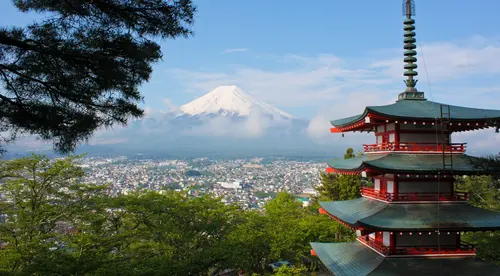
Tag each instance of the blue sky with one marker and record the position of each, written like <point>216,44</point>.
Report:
<point>294,52</point>
<point>275,41</point>
<point>325,58</point>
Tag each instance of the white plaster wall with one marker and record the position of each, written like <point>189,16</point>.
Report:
<point>376,184</point>
<point>386,238</point>
<point>390,186</point>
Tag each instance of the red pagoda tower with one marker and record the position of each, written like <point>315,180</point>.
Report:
<point>410,221</point>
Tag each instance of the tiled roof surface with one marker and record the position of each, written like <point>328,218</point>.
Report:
<point>347,259</point>
<point>351,211</point>
<point>418,109</point>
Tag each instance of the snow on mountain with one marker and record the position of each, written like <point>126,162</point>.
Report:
<point>230,101</point>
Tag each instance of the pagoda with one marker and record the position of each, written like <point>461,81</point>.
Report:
<point>410,220</point>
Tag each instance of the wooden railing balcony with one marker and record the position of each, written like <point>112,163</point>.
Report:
<point>456,196</point>
<point>415,147</point>
<point>462,249</point>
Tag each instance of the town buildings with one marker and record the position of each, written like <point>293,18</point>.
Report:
<point>249,182</point>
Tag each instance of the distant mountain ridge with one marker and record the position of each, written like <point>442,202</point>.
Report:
<point>231,101</point>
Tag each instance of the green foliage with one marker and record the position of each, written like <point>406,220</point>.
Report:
<point>249,245</point>
<point>486,243</point>
<point>283,232</point>
<point>192,173</point>
<point>80,67</point>
<point>170,233</point>
<point>349,154</point>
<point>53,224</point>
<point>337,186</point>
<point>263,194</point>
<point>484,193</point>
<point>291,271</point>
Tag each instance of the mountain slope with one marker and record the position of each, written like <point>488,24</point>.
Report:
<point>230,101</point>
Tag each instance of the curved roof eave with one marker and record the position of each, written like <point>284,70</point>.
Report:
<point>348,120</point>
<point>407,163</point>
<point>376,215</point>
<point>420,110</point>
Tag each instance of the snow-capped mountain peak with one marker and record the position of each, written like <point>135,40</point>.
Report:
<point>230,101</point>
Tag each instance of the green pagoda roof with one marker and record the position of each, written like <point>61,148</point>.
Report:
<point>354,259</point>
<point>407,163</point>
<point>377,215</point>
<point>422,110</point>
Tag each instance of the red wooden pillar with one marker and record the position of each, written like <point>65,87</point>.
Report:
<point>392,244</point>
<point>383,185</point>
<point>379,237</point>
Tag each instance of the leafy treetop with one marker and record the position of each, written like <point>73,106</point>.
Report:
<point>339,187</point>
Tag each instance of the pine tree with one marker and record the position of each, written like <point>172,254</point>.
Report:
<point>80,68</point>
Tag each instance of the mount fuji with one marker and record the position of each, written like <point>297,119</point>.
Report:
<point>231,101</point>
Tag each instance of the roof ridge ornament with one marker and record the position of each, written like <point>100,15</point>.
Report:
<point>410,54</point>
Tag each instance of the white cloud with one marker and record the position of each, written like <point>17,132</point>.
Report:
<point>112,141</point>
<point>448,60</point>
<point>480,142</point>
<point>318,128</point>
<point>170,105</point>
<point>341,87</point>
<point>353,104</point>
<point>235,50</point>
<point>255,125</point>
<point>147,111</point>
<point>326,77</point>
<point>310,81</point>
